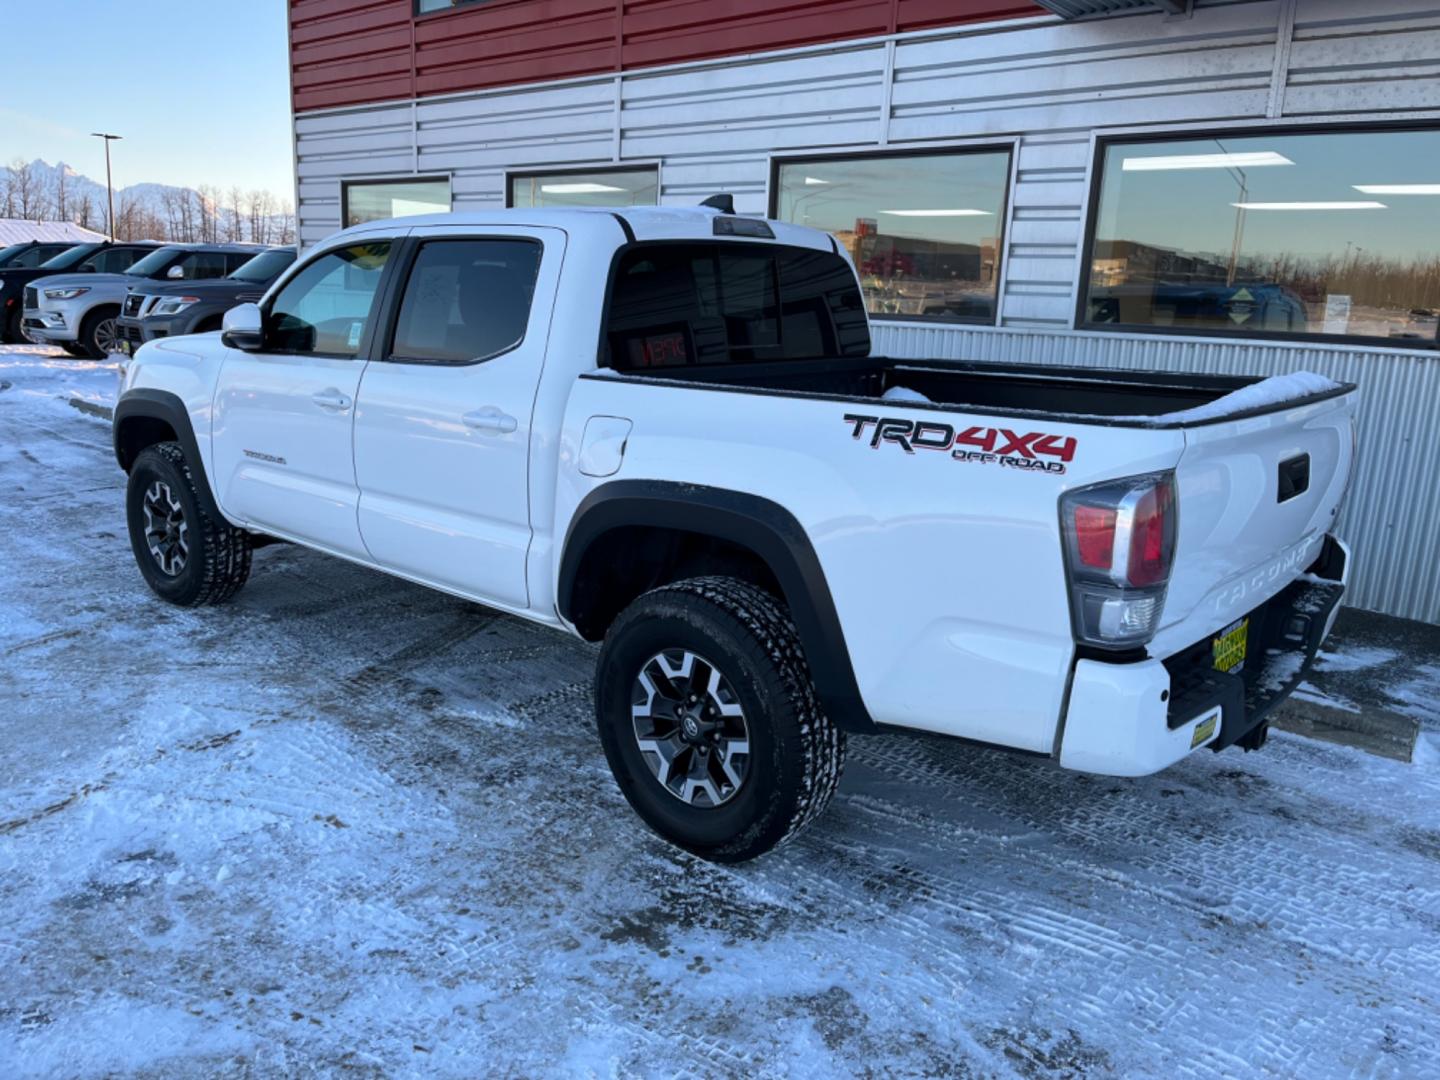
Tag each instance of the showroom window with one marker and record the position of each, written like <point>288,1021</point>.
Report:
<point>1310,234</point>
<point>591,187</point>
<point>426,7</point>
<point>924,230</point>
<point>376,200</point>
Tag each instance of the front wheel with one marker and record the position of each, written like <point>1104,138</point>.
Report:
<point>710,721</point>
<point>97,333</point>
<point>185,556</point>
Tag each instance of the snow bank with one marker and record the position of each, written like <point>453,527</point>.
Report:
<point>1267,392</point>
<point>904,393</point>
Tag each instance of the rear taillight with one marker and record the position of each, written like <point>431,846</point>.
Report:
<point>1119,548</point>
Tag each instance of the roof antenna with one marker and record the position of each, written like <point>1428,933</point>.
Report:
<point>724,203</point>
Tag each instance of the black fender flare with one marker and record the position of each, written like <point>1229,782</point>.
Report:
<point>751,521</point>
<point>151,404</point>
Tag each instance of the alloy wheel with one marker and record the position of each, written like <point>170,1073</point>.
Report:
<point>105,339</point>
<point>690,728</point>
<point>166,532</point>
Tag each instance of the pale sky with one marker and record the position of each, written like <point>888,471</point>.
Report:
<point>198,88</point>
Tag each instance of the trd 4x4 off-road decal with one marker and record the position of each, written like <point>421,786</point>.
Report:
<point>981,445</point>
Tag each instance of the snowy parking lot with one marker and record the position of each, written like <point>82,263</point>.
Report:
<point>345,824</point>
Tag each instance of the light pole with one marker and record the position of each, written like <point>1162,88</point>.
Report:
<point>109,188</point>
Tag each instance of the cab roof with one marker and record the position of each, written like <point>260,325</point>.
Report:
<point>645,222</point>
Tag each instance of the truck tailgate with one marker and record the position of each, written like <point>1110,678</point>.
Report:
<point>1256,497</point>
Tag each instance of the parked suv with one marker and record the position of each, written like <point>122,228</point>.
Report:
<point>80,309</point>
<point>32,252</point>
<point>664,430</point>
<point>104,257</point>
<point>193,307</point>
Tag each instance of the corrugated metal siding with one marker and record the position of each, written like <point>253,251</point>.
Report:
<point>1392,517</point>
<point>357,51</point>
<point>1043,84</point>
<point>348,51</point>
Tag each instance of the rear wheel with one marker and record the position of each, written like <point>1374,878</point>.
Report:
<point>97,333</point>
<point>185,556</point>
<point>11,332</point>
<point>710,722</point>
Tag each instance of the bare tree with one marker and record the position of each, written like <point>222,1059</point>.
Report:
<point>287,224</point>
<point>235,221</point>
<point>24,199</point>
<point>61,195</point>
<point>84,210</point>
<point>209,197</point>
<point>170,204</point>
<point>259,207</point>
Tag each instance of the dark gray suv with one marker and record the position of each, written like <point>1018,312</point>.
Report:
<point>158,309</point>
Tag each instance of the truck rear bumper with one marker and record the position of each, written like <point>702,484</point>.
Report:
<point>1136,719</point>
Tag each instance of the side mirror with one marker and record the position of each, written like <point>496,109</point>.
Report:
<point>243,328</point>
<point>175,273</point>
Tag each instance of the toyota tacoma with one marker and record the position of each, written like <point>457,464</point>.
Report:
<point>663,430</point>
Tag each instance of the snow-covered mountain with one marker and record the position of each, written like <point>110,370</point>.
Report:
<point>146,196</point>
<point>40,190</point>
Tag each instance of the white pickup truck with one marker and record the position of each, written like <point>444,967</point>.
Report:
<point>663,429</point>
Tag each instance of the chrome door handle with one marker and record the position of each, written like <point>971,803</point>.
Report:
<point>491,419</point>
<point>330,399</point>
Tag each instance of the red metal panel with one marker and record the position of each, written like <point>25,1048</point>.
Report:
<point>671,31</point>
<point>514,41</point>
<point>347,52</point>
<point>925,14</point>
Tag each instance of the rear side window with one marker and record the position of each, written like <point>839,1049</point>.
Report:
<point>466,300</point>
<point>116,260</point>
<point>200,265</point>
<point>717,303</point>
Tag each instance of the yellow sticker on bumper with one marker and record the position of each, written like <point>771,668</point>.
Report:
<point>1204,729</point>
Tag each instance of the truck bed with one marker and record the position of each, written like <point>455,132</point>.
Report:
<point>1089,395</point>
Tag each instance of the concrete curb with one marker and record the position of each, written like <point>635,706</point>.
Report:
<point>1376,731</point>
<point>89,408</point>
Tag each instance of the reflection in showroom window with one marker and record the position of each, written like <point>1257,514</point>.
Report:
<point>1299,234</point>
<point>593,187</point>
<point>924,230</point>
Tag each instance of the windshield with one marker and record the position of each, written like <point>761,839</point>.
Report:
<point>264,266</point>
<point>156,261</point>
<point>10,252</point>
<point>70,257</point>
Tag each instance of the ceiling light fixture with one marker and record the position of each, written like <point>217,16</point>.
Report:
<point>578,189</point>
<point>1249,160</point>
<point>1398,189</point>
<point>1309,205</point>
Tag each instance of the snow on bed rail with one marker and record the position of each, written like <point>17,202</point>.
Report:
<point>1260,395</point>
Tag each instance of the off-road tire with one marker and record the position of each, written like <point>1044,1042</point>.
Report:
<point>797,753</point>
<point>88,328</point>
<point>218,562</point>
